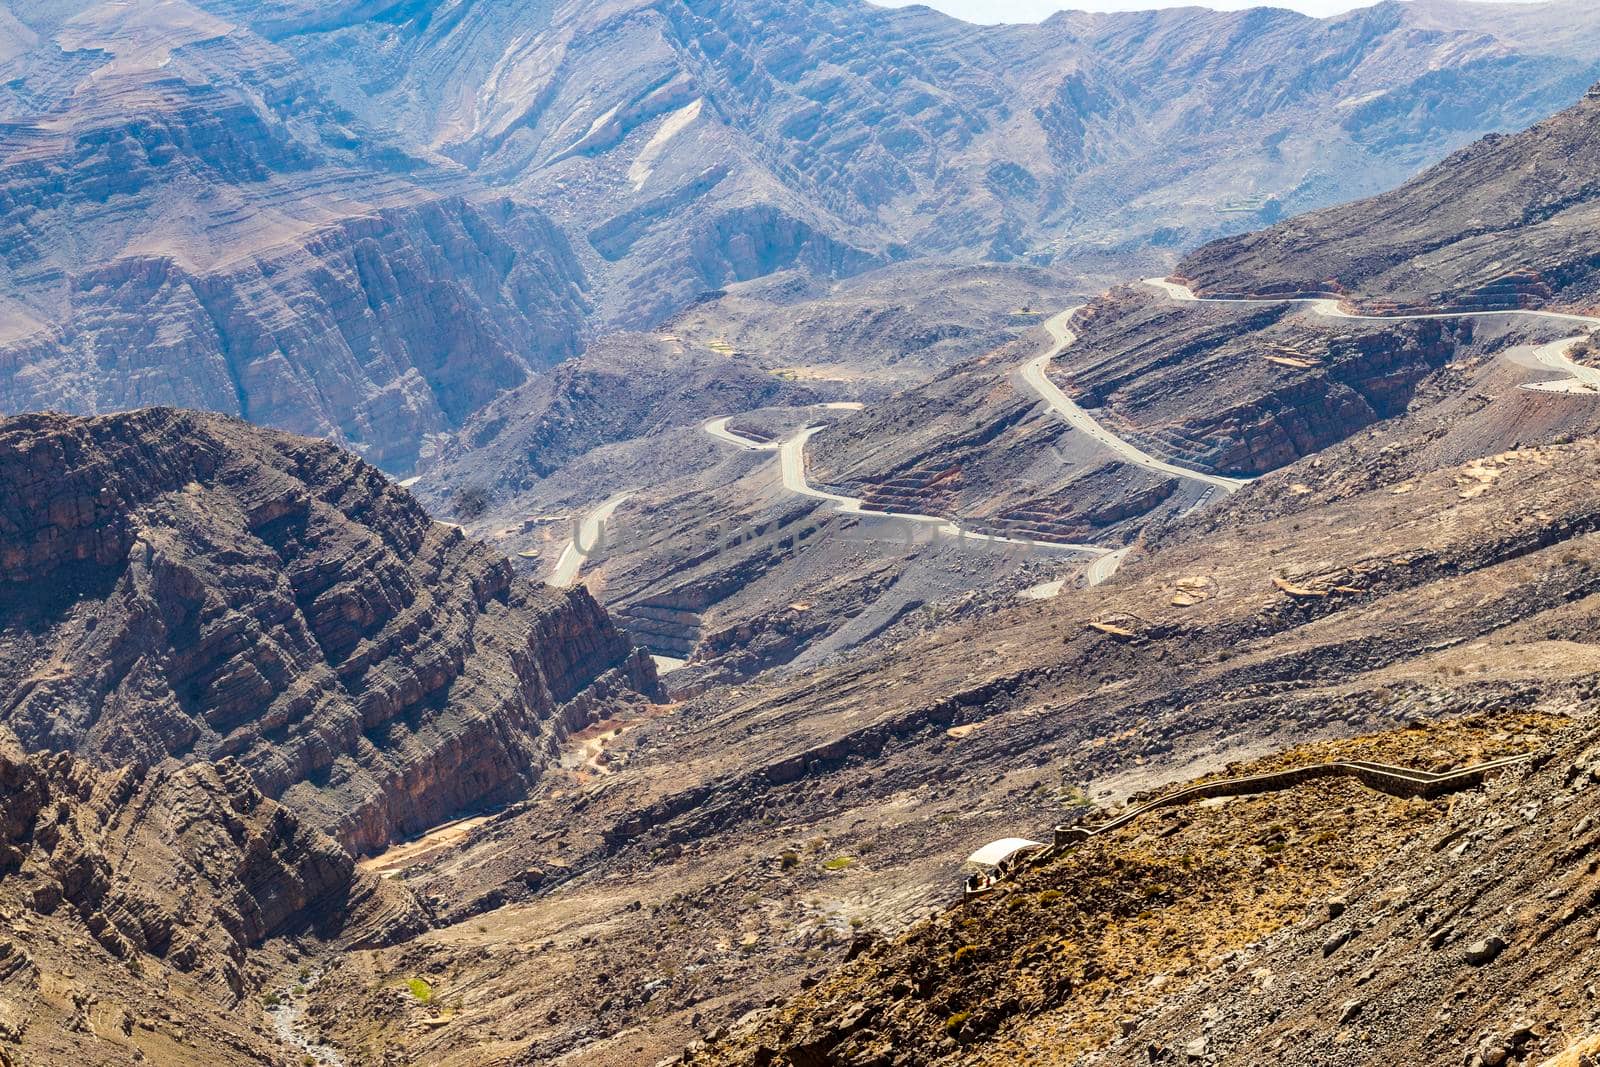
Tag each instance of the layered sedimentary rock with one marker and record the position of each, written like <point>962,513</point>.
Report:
<point>123,888</point>
<point>686,145</point>
<point>185,220</point>
<point>183,585</point>
<point>190,864</point>
<point>1506,222</point>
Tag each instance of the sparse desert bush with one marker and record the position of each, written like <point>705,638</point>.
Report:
<point>470,501</point>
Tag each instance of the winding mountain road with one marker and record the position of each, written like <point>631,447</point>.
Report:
<point>1033,372</point>
<point>792,467</point>
<point>573,555</point>
<point>792,455</point>
<point>1553,356</point>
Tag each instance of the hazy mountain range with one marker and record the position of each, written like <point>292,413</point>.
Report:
<point>363,220</point>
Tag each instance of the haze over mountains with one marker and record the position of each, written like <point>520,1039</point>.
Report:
<point>364,221</point>
<point>811,487</point>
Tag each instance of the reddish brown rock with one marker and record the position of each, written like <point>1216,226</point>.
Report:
<point>183,585</point>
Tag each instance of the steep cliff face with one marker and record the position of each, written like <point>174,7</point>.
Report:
<point>171,876</point>
<point>185,220</point>
<point>1246,390</point>
<point>185,585</point>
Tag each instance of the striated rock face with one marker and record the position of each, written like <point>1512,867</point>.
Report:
<point>191,865</point>
<point>185,220</point>
<point>125,891</point>
<point>1507,222</point>
<point>1273,387</point>
<point>175,584</point>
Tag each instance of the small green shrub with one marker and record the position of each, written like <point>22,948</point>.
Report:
<point>953,1024</point>
<point>421,990</point>
<point>838,863</point>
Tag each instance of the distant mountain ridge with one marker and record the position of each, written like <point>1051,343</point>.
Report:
<point>1508,221</point>
<point>186,220</point>
<point>365,220</point>
<point>687,145</point>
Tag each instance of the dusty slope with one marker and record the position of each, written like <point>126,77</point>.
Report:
<point>1058,962</point>
<point>1473,944</point>
<point>1470,589</point>
<point>690,553</point>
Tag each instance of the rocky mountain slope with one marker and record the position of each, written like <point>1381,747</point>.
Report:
<point>366,221</point>
<point>183,585</point>
<point>1468,945</point>
<point>188,220</point>
<point>1507,222</point>
<point>218,642</point>
<point>624,387</point>
<point>1058,964</point>
<point>1422,579</point>
<point>687,146</point>
<point>1450,934</point>
<point>134,903</point>
<point>758,829</point>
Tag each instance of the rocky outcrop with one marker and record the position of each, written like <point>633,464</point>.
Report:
<point>191,865</point>
<point>118,886</point>
<point>180,585</point>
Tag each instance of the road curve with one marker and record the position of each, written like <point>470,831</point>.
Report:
<point>1552,356</point>
<point>573,555</point>
<point>792,468</point>
<point>1033,372</point>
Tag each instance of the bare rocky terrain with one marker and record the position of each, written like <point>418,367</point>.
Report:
<point>366,221</point>
<point>693,551</point>
<point>294,772</point>
<point>1518,232</point>
<point>135,902</point>
<point>183,585</point>
<point>687,146</point>
<point>190,221</point>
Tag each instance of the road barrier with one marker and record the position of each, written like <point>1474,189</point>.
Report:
<point>1396,781</point>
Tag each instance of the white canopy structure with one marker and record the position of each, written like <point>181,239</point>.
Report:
<point>997,852</point>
